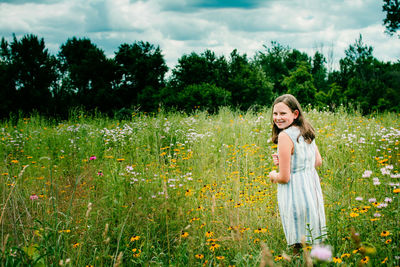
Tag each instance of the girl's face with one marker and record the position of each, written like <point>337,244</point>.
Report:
<point>283,116</point>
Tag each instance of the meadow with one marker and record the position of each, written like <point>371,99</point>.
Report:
<point>172,189</point>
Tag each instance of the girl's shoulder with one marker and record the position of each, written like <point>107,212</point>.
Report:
<point>293,132</point>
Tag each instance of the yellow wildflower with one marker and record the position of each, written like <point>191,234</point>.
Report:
<point>385,233</point>
<point>365,260</point>
<point>214,246</point>
<point>337,260</point>
<point>199,256</point>
<point>134,238</point>
<point>209,234</point>
<point>184,234</point>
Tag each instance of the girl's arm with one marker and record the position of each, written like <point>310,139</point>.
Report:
<point>318,158</point>
<point>285,151</point>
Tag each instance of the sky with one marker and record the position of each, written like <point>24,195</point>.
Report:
<point>180,27</point>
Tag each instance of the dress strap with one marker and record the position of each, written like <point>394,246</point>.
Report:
<point>293,133</point>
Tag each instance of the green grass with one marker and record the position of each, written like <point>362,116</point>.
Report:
<point>176,189</point>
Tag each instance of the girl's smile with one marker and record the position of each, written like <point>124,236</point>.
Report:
<point>283,116</point>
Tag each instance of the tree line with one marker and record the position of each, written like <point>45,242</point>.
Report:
<point>81,76</point>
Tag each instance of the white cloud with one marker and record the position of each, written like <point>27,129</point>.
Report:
<point>182,26</point>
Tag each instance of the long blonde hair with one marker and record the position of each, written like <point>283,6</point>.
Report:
<point>306,129</point>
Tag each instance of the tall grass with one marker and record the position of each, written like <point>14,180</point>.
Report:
<point>178,189</point>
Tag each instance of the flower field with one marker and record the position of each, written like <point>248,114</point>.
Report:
<point>171,189</point>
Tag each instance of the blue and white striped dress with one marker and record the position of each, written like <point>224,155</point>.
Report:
<point>300,201</point>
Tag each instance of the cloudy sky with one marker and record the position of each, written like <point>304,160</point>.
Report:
<point>182,26</point>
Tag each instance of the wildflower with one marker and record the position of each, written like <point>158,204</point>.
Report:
<point>354,214</point>
<point>321,253</point>
<point>257,231</point>
<point>384,260</point>
<point>375,204</point>
<point>385,171</point>
<point>385,233</point>
<point>184,234</point>
<point>100,173</point>
<point>365,260</point>
<point>388,241</point>
<point>367,174</point>
<point>136,252</point>
<point>359,198</point>
<point>120,160</point>
<point>388,200</point>
<point>377,215</point>
<point>345,255</point>
<point>382,205</point>
<point>214,246</point>
<point>75,245</point>
<point>396,190</point>
<point>199,256</point>
<point>209,234</point>
<point>278,258</point>
<point>34,197</point>
<point>134,238</point>
<point>220,258</point>
<point>364,210</point>
<point>92,158</point>
<point>371,200</point>
<point>188,192</point>
<point>337,260</point>
<point>376,181</point>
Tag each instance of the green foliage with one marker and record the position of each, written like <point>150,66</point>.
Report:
<point>81,76</point>
<point>141,69</point>
<point>392,19</point>
<point>247,83</point>
<point>204,96</point>
<point>300,83</point>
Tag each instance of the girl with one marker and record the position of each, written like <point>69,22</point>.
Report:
<point>299,191</point>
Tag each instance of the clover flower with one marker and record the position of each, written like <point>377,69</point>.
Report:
<point>321,253</point>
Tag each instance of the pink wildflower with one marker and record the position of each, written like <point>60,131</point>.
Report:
<point>92,158</point>
<point>367,174</point>
<point>321,253</point>
<point>34,197</point>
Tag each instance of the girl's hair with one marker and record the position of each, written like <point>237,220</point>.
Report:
<point>306,130</point>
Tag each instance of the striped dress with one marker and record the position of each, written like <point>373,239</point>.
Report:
<point>300,201</point>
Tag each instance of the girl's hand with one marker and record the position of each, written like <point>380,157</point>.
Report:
<point>275,158</point>
<point>273,176</point>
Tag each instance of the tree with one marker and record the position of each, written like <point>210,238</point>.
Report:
<point>300,83</point>
<point>87,74</point>
<point>272,62</point>
<point>319,71</point>
<point>7,81</point>
<point>203,68</point>
<point>247,82</point>
<point>142,68</point>
<point>34,73</point>
<point>205,96</point>
<point>392,20</point>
